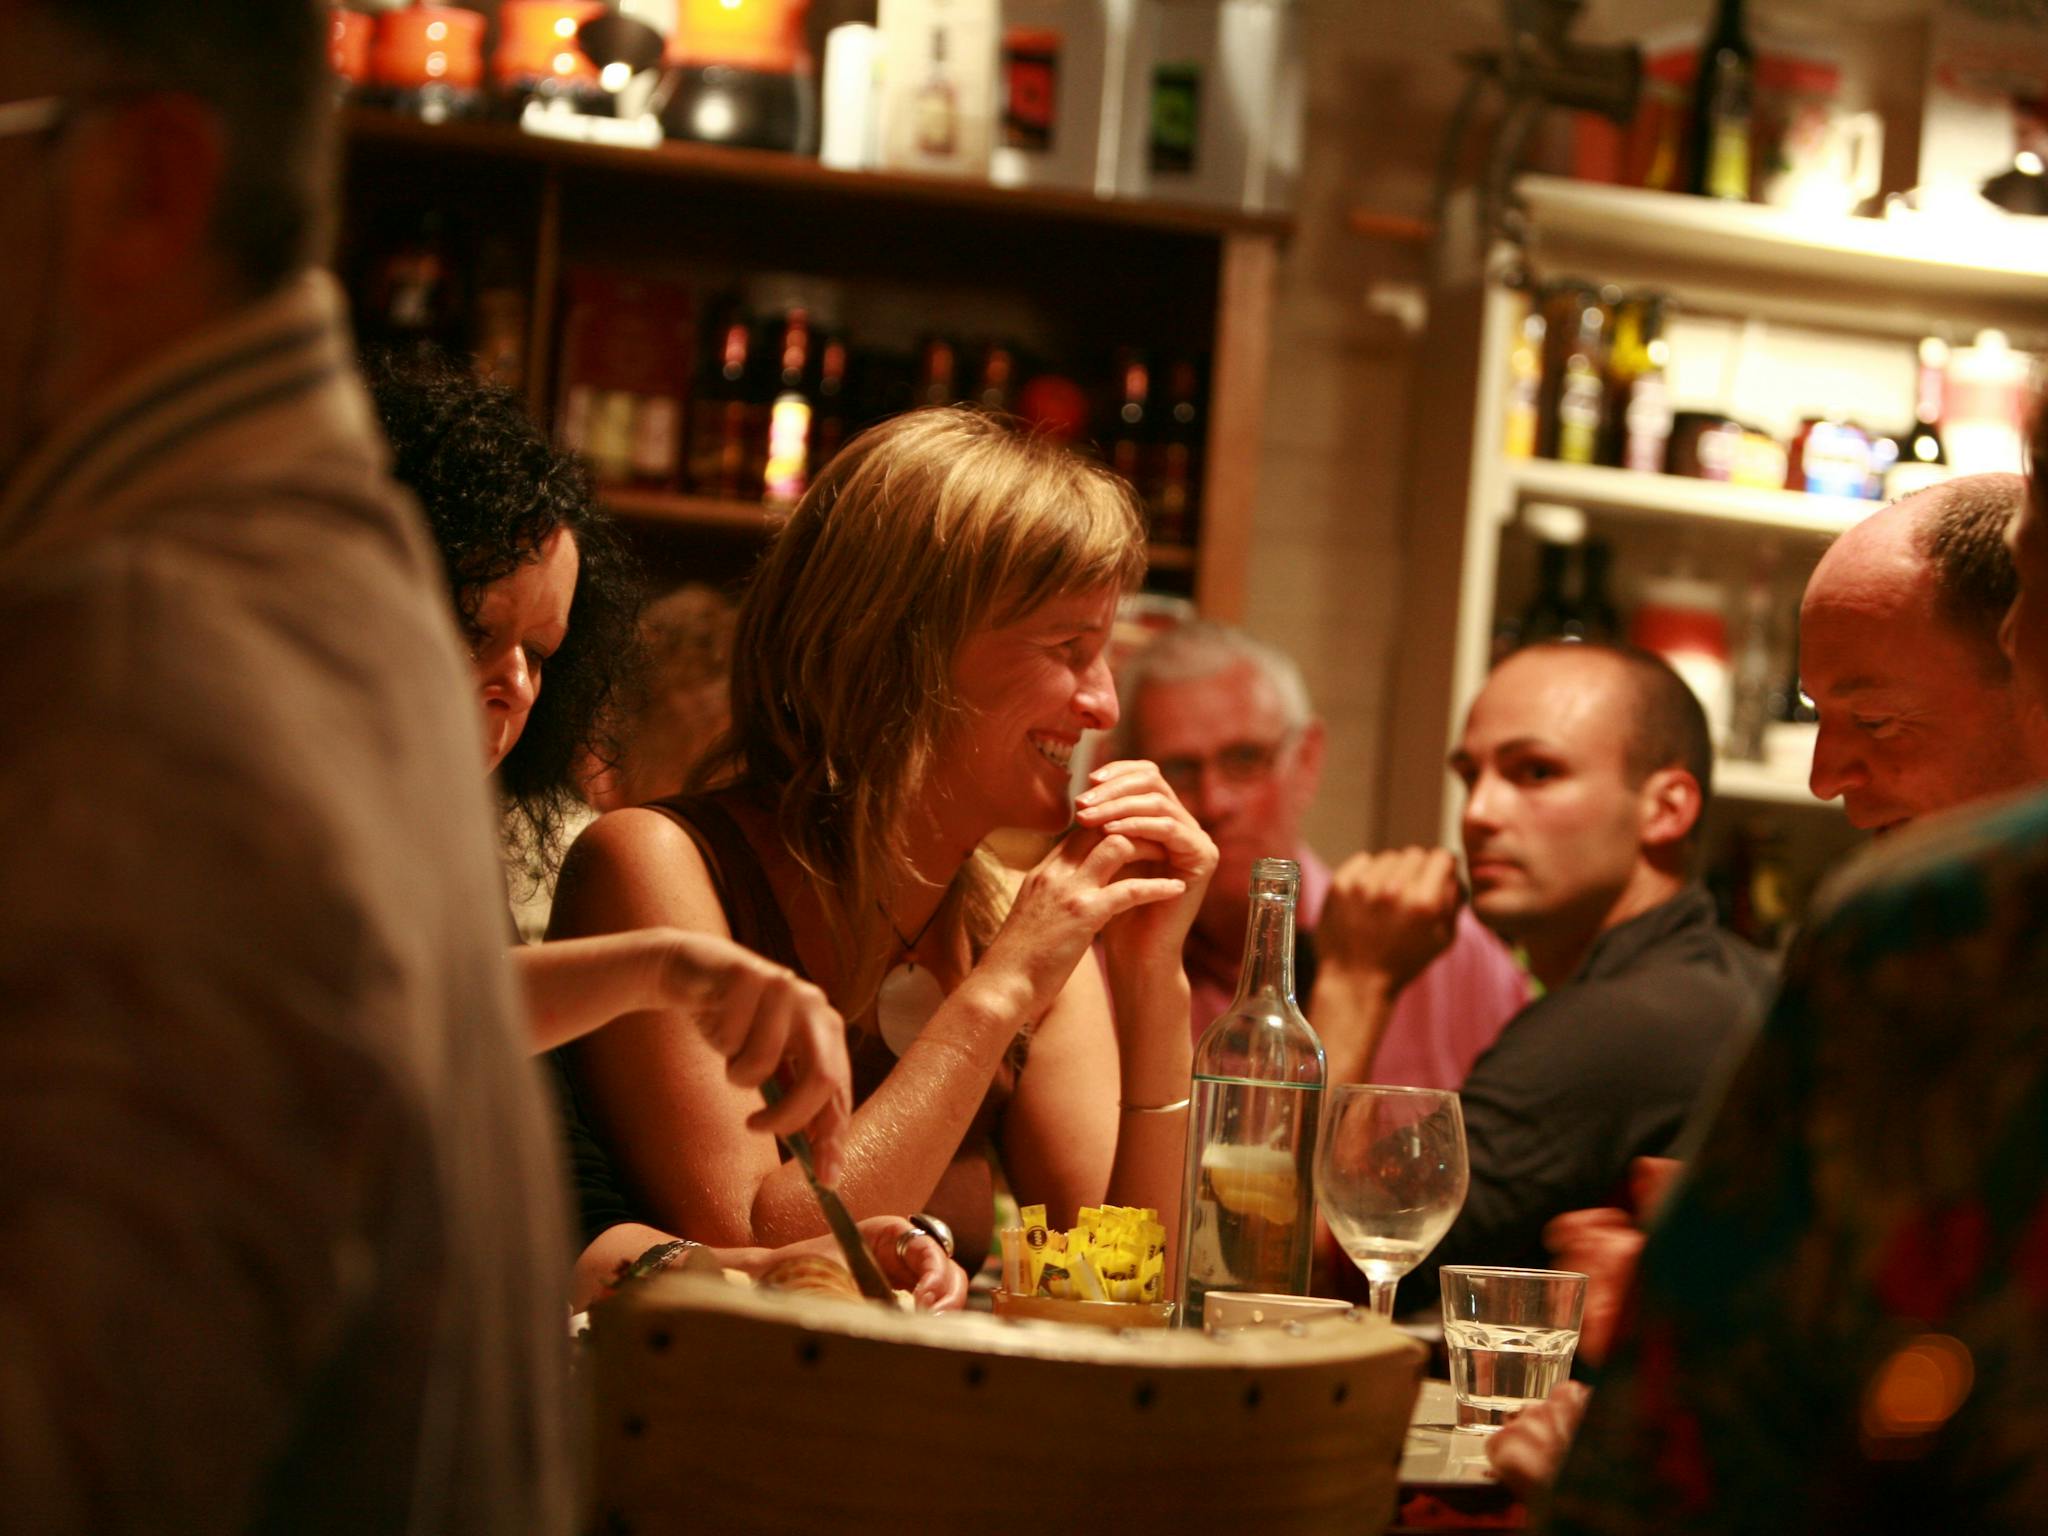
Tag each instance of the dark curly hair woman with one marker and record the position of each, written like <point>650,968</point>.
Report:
<point>541,581</point>
<point>543,587</point>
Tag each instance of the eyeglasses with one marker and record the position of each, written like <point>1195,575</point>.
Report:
<point>1238,762</point>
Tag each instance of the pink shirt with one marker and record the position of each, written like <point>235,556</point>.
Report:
<point>1444,1019</point>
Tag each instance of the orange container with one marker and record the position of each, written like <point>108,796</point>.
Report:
<point>430,45</point>
<point>350,35</point>
<point>537,41</point>
<point>767,35</point>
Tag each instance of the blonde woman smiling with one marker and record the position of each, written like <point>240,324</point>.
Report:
<point>915,662</point>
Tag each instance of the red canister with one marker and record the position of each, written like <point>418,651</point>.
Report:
<point>430,45</point>
<point>537,41</point>
<point>350,35</point>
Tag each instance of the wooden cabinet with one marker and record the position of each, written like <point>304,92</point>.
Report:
<point>1074,275</point>
<point>1852,289</point>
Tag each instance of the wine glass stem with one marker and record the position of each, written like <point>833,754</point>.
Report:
<point>1383,1296</point>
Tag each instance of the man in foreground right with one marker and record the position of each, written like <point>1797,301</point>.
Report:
<point>1841,1317</point>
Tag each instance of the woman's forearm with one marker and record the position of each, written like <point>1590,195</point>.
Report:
<point>1156,1069</point>
<point>573,986</point>
<point>906,1135</point>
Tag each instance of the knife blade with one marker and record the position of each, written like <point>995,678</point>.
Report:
<point>867,1274</point>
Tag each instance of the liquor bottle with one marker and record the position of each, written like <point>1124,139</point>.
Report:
<point>413,303</point>
<point>1248,1208</point>
<point>828,421</point>
<point>937,369</point>
<point>998,375</point>
<point>1598,619</point>
<point>499,339</point>
<point>1551,614</point>
<point>1723,99</point>
<point>1923,457</point>
<point>1575,385</point>
<point>936,110</point>
<point>656,451</point>
<point>1638,398</point>
<point>1127,438</point>
<point>1175,466</point>
<point>1524,408</point>
<point>787,471</point>
<point>1755,667</point>
<point>723,422</point>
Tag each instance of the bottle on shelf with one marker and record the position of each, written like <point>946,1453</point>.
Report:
<point>1179,454</point>
<point>936,108</point>
<point>1524,409</point>
<point>788,467</point>
<point>1724,97</point>
<point>1248,1206</point>
<point>1923,457</point>
<point>655,459</point>
<point>829,420</point>
<point>499,339</point>
<point>1575,382</point>
<point>1598,619</point>
<point>1129,434</point>
<point>1551,614</point>
<point>1638,395</point>
<point>726,419</point>
<point>937,372</point>
<point>412,301</point>
<point>998,377</point>
<point>1756,665</point>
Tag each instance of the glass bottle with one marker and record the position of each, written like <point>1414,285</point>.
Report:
<point>1923,458</point>
<point>936,112</point>
<point>788,468</point>
<point>1723,100</point>
<point>1248,1206</point>
<point>1575,383</point>
<point>1551,614</point>
<point>1598,619</point>
<point>1521,418</point>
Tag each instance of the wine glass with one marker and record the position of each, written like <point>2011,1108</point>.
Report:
<point>1390,1177</point>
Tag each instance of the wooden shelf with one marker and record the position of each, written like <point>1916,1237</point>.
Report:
<point>715,514</point>
<point>1907,276</point>
<point>710,513</point>
<point>1631,493</point>
<point>801,175</point>
<point>1735,779</point>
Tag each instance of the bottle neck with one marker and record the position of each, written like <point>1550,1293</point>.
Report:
<point>1268,969</point>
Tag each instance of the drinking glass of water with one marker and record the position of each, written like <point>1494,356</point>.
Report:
<point>1390,1177</point>
<point>1510,1334</point>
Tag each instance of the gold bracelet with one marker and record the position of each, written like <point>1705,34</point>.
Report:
<point>1154,1109</point>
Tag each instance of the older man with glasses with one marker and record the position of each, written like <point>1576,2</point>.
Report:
<point>1401,982</point>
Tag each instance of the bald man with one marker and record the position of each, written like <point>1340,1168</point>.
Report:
<point>1586,770</point>
<point>1898,647</point>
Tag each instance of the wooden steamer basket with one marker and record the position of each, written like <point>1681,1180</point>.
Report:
<point>722,1409</point>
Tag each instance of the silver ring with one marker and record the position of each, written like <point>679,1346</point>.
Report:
<point>929,1226</point>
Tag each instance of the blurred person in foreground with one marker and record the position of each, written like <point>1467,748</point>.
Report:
<point>1403,984</point>
<point>543,591</point>
<point>282,1227</point>
<point>917,659</point>
<point>1841,1316</point>
<point>1586,770</point>
<point>1899,648</point>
